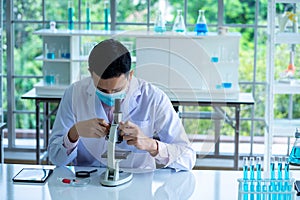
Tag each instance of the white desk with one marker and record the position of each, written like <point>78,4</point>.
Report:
<point>161,184</point>
<point>243,99</point>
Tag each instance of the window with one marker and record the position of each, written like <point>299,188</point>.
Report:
<point>23,17</point>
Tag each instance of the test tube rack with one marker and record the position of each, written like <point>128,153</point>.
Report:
<point>266,189</point>
<point>273,188</point>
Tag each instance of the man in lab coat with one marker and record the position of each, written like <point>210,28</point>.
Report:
<point>86,112</point>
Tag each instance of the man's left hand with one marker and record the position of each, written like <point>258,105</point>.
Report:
<point>134,136</point>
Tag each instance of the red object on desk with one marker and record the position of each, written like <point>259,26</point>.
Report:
<point>68,181</point>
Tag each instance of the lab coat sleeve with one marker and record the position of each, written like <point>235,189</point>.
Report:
<point>175,150</point>
<point>70,146</point>
<point>64,120</point>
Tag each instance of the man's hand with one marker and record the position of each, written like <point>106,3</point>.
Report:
<point>92,128</point>
<point>134,136</point>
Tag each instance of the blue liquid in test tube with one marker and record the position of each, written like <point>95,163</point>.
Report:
<point>252,168</point>
<point>264,191</point>
<point>70,15</point>
<point>279,168</point>
<point>279,187</point>
<point>106,15</point>
<point>252,189</point>
<point>272,168</point>
<point>88,14</point>
<point>245,171</point>
<point>258,168</point>
<point>245,168</point>
<point>258,177</point>
<point>272,186</point>
<point>286,169</point>
<point>287,187</point>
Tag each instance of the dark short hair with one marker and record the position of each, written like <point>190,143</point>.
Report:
<point>109,59</point>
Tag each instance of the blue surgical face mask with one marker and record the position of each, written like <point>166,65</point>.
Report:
<point>109,99</point>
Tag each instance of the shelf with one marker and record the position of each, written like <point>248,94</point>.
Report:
<point>58,32</point>
<point>285,127</point>
<point>52,60</point>
<point>286,1</point>
<point>85,59</point>
<point>204,94</point>
<point>53,90</point>
<point>287,38</point>
<point>227,63</point>
<point>130,34</point>
<point>80,59</point>
<point>285,88</point>
<point>278,126</point>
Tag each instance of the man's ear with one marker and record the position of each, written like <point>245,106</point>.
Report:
<point>131,74</point>
<point>95,78</point>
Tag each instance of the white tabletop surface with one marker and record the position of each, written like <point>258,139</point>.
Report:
<point>160,184</point>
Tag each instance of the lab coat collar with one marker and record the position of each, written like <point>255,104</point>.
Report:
<point>91,88</point>
<point>91,92</point>
<point>130,101</point>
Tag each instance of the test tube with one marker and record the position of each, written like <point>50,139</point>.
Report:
<point>287,187</point>
<point>245,171</point>
<point>252,164</point>
<point>272,185</point>
<point>286,169</point>
<point>245,168</point>
<point>279,176</point>
<point>279,187</point>
<point>258,168</point>
<point>272,168</point>
<point>264,191</point>
<point>252,188</point>
<point>258,177</point>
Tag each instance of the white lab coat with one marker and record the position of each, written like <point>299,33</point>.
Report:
<point>145,105</point>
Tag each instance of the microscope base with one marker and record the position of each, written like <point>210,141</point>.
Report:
<point>108,180</point>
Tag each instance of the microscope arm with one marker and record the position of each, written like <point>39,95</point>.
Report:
<point>111,146</point>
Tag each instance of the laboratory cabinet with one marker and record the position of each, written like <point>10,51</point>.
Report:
<point>61,61</point>
<point>276,86</point>
<point>190,66</point>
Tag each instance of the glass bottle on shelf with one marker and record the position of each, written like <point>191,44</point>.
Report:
<point>106,15</point>
<point>70,15</point>
<point>159,26</point>
<point>201,26</point>
<point>179,25</point>
<point>294,158</point>
<point>290,71</point>
<point>88,16</point>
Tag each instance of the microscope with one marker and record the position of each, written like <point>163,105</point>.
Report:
<point>113,176</point>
